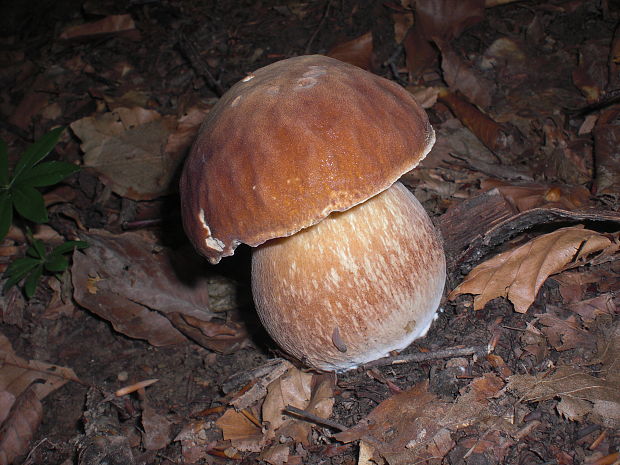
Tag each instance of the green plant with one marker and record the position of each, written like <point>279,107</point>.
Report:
<point>18,190</point>
<point>36,261</point>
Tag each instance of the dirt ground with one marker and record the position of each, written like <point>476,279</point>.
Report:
<point>524,100</point>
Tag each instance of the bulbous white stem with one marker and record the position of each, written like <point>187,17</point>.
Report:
<point>354,287</point>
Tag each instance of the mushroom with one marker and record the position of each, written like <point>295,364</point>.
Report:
<point>300,159</point>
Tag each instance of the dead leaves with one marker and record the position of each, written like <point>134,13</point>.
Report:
<point>415,425</point>
<point>149,292</point>
<point>519,273</point>
<point>582,395</point>
<point>23,384</point>
<point>137,151</point>
<point>264,427</point>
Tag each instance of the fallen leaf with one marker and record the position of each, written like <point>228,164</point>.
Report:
<point>519,273</point>
<point>590,309</point>
<point>17,374</point>
<point>526,196</point>
<point>20,426</point>
<point>242,433</point>
<point>582,395</point>
<point>156,434</point>
<point>293,388</point>
<point>125,147</point>
<point>563,333</point>
<point>143,288</point>
<point>194,440</point>
<point>463,78</point>
<point>357,51</point>
<point>447,19</point>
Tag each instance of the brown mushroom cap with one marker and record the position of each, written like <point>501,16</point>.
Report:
<point>291,143</point>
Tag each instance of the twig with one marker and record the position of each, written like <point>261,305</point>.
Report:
<point>319,27</point>
<point>312,418</point>
<point>189,49</point>
<point>424,356</point>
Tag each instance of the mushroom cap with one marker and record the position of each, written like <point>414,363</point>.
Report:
<point>291,143</point>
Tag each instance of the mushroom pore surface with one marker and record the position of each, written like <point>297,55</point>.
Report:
<point>355,286</point>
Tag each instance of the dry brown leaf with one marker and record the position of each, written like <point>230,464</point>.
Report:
<point>590,309</point>
<point>242,433</point>
<point>194,440</point>
<point>447,19</point>
<point>357,51</point>
<point>525,196</point>
<point>156,434</point>
<point>414,425</point>
<point>126,148</point>
<point>463,78</point>
<point>564,333</point>
<point>17,374</point>
<point>141,287</point>
<point>293,388</point>
<point>519,273</point>
<point>19,427</point>
<point>113,24</point>
<point>582,395</point>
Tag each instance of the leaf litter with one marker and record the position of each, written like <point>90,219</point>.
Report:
<point>551,363</point>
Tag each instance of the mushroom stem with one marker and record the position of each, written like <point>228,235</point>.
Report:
<point>354,287</point>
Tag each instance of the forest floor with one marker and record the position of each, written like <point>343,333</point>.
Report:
<point>521,366</point>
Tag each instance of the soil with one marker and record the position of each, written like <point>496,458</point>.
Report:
<point>235,37</point>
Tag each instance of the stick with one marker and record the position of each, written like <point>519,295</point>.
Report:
<point>424,356</point>
<point>312,418</point>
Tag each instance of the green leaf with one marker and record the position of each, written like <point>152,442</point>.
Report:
<point>37,152</point>
<point>56,263</point>
<point>6,213</point>
<point>68,247</point>
<point>21,266</point>
<point>47,174</point>
<point>4,164</point>
<point>32,280</point>
<point>39,247</point>
<point>18,269</point>
<point>29,203</point>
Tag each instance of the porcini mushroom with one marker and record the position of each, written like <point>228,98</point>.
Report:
<point>300,159</point>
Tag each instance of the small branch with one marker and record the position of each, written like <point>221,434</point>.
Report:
<point>312,418</point>
<point>319,27</point>
<point>189,49</point>
<point>425,356</point>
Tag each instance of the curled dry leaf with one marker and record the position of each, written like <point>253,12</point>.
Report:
<point>19,427</point>
<point>501,138</point>
<point>519,273</point>
<point>141,287</point>
<point>17,374</point>
<point>357,51</point>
